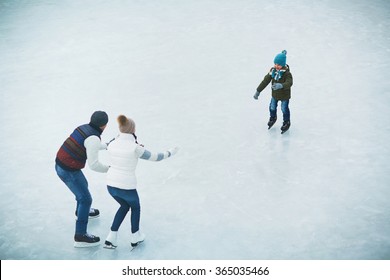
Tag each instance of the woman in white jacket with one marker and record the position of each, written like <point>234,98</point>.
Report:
<point>124,153</point>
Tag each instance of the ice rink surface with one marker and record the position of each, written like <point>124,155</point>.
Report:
<point>186,72</point>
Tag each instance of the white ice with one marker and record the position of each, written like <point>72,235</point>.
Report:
<point>186,72</point>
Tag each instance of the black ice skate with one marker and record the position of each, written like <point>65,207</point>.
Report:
<point>93,213</point>
<point>271,122</point>
<point>86,240</point>
<point>285,126</point>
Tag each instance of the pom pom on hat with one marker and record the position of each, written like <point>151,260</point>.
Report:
<point>126,125</point>
<point>99,119</point>
<point>281,58</point>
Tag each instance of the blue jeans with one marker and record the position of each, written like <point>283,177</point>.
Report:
<point>78,185</point>
<point>127,199</point>
<point>285,110</point>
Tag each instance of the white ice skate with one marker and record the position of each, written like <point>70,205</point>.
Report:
<point>136,238</point>
<point>111,240</point>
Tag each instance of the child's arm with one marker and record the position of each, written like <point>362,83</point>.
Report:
<point>267,79</point>
<point>289,81</point>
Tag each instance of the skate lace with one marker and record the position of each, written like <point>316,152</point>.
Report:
<point>90,235</point>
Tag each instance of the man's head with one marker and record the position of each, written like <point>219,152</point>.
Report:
<point>99,119</point>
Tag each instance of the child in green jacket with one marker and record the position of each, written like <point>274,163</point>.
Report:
<point>282,81</point>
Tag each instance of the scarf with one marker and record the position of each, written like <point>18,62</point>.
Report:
<point>277,74</point>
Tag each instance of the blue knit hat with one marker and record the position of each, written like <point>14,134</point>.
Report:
<point>99,118</point>
<point>280,58</point>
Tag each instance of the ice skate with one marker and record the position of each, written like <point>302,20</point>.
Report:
<point>136,238</point>
<point>271,122</point>
<point>111,240</point>
<point>93,213</point>
<point>285,126</point>
<point>86,240</point>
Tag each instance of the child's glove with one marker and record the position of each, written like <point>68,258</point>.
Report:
<point>256,96</point>
<point>277,86</point>
<point>173,151</point>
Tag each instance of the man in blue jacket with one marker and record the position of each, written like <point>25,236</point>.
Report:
<point>82,147</point>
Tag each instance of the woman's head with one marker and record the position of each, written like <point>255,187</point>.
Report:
<point>126,125</point>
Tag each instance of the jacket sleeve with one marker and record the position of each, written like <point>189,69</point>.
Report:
<point>93,146</point>
<point>289,81</point>
<point>147,155</point>
<point>267,79</point>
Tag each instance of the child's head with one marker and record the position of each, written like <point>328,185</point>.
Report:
<point>280,60</point>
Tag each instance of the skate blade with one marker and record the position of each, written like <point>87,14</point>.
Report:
<point>93,217</point>
<point>109,245</point>
<point>269,127</point>
<point>134,245</point>
<point>89,217</point>
<point>85,244</point>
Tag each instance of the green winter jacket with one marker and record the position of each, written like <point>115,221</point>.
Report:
<point>286,80</point>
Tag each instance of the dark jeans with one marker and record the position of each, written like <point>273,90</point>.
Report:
<point>78,185</point>
<point>285,110</point>
<point>127,199</point>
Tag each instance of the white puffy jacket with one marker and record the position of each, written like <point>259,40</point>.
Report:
<point>124,154</point>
